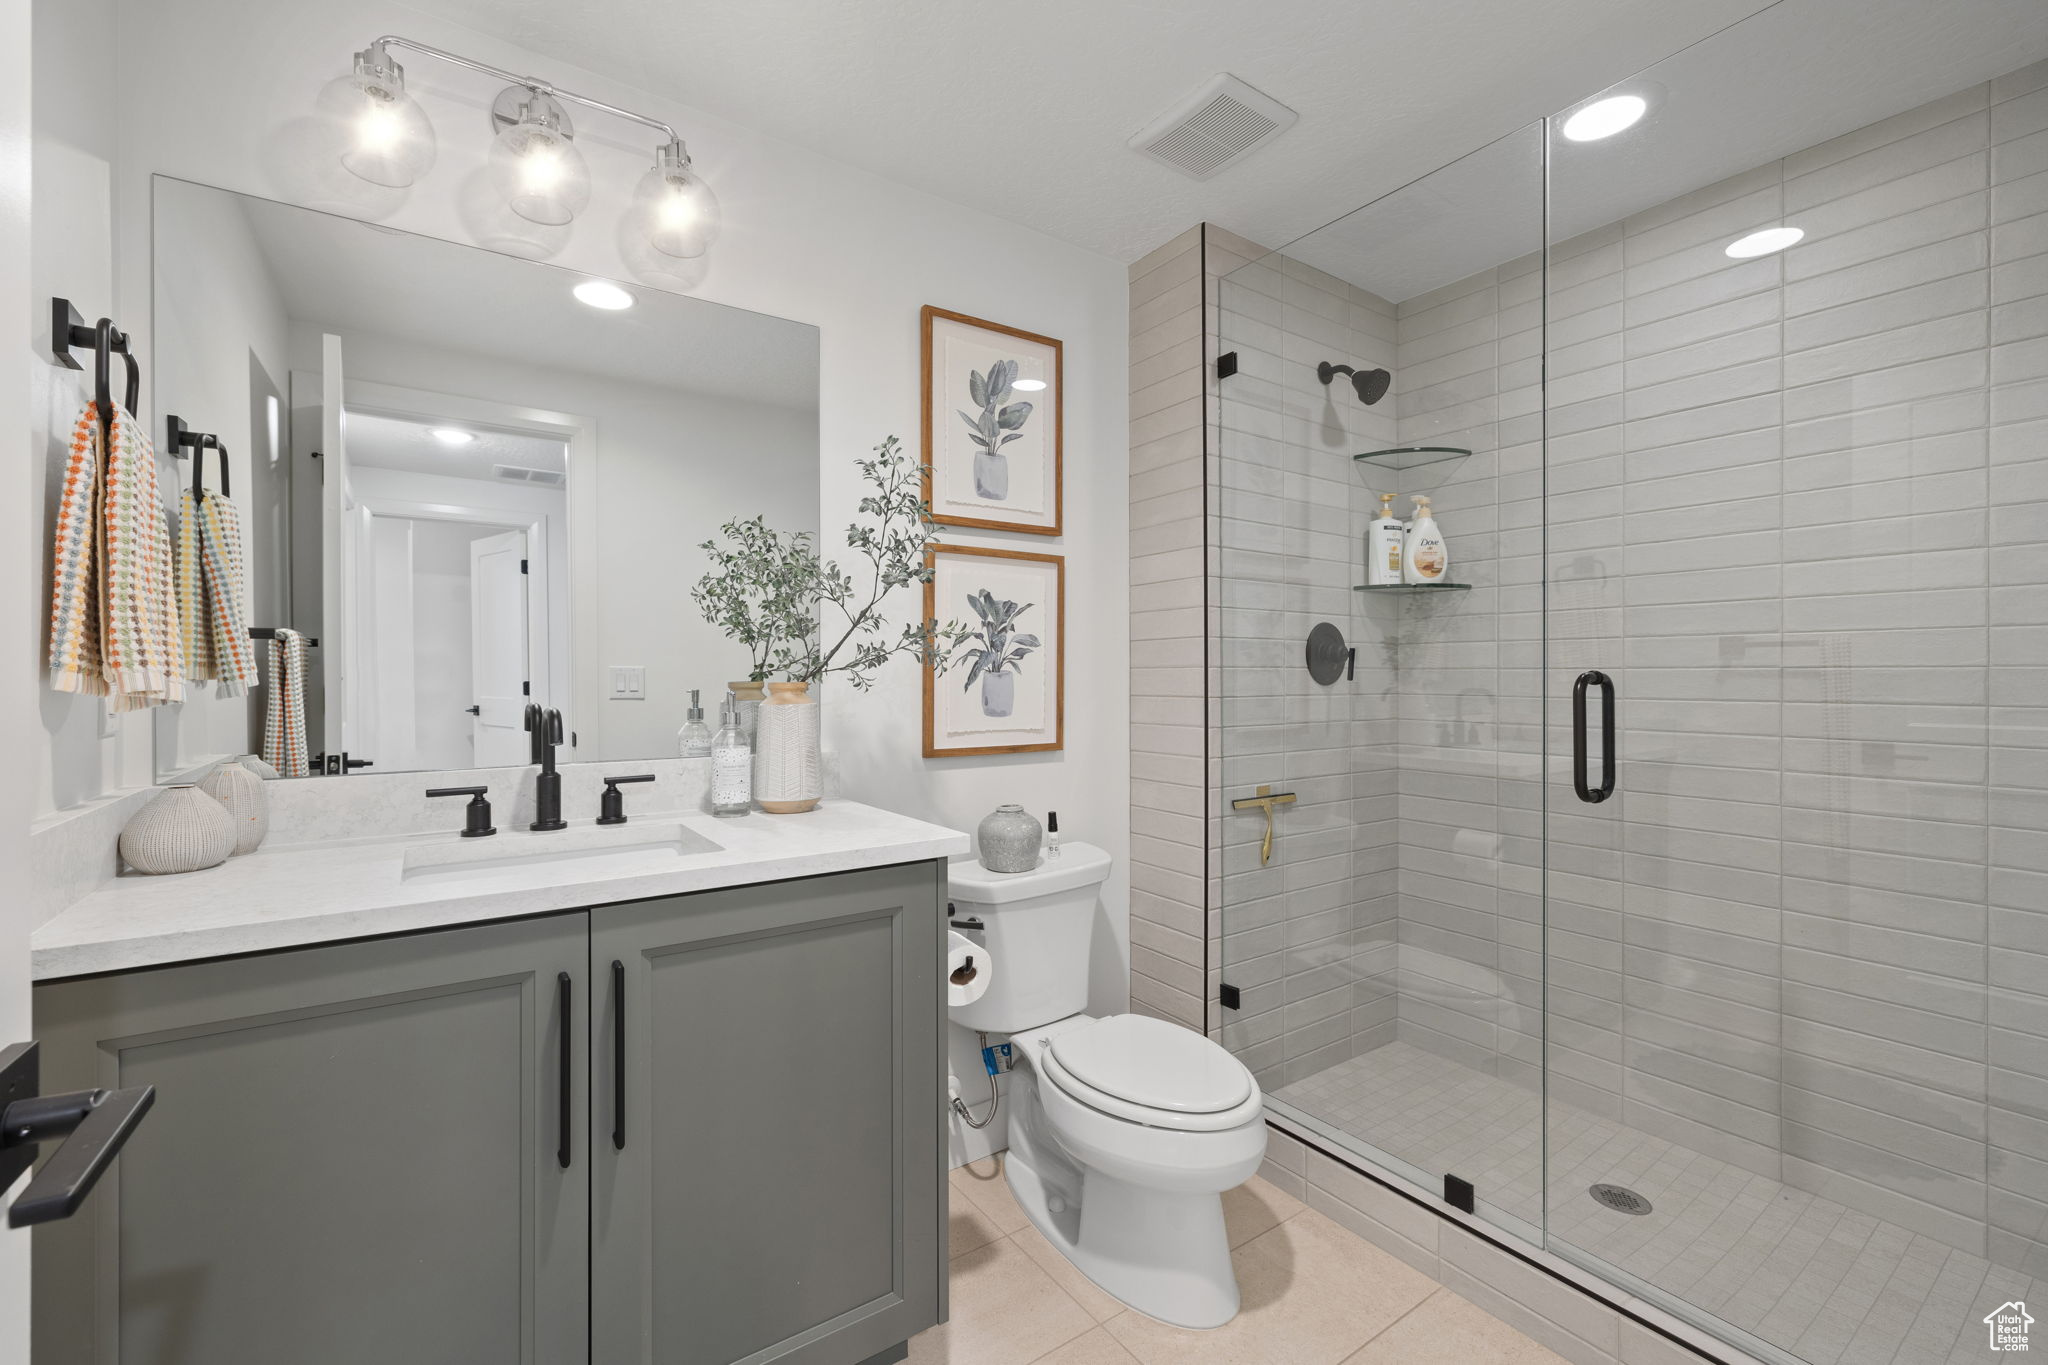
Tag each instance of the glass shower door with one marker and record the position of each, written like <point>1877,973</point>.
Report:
<point>1384,950</point>
<point>1794,516</point>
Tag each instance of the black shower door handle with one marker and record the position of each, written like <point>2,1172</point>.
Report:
<point>1593,677</point>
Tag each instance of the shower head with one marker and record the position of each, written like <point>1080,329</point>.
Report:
<point>1371,384</point>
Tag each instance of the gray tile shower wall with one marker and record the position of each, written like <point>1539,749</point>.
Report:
<point>1169,850</point>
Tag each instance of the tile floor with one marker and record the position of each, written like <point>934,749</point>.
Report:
<point>1314,1294</point>
<point>1828,1284</point>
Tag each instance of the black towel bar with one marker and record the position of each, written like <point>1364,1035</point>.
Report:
<point>179,438</point>
<point>68,329</point>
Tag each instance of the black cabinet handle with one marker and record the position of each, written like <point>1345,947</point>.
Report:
<point>618,1054</point>
<point>562,1148</point>
<point>1591,795</point>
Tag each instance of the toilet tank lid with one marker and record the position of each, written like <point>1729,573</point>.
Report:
<point>1078,865</point>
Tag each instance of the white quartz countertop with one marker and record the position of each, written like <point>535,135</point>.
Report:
<point>322,893</point>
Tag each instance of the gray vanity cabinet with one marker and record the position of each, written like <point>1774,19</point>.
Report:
<point>388,1151</point>
<point>767,1178</point>
<point>355,1156</point>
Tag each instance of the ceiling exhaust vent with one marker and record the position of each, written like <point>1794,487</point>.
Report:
<point>1215,128</point>
<point>515,473</point>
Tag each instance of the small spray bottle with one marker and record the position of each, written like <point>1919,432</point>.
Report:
<point>1052,834</point>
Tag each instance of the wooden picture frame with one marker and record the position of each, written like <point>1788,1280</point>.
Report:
<point>959,721</point>
<point>1017,485</point>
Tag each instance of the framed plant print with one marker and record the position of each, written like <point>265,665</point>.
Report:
<point>992,425</point>
<point>1004,691</point>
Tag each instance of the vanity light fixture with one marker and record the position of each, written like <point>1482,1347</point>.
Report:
<point>387,139</point>
<point>533,161</point>
<point>1764,242</point>
<point>451,436</point>
<point>603,294</point>
<point>1605,118</point>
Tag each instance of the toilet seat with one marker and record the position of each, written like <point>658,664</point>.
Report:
<point>1147,1071</point>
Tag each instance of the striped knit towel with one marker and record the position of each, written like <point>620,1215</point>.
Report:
<point>114,619</point>
<point>284,712</point>
<point>214,632</point>
<point>75,664</point>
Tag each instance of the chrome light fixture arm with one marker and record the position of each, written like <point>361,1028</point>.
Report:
<point>547,88</point>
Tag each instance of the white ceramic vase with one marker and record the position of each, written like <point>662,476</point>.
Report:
<point>789,771</point>
<point>182,830</point>
<point>248,805</point>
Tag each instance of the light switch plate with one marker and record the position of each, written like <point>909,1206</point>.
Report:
<point>629,682</point>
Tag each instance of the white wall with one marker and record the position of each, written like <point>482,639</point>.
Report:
<point>805,238</point>
<point>21,610</point>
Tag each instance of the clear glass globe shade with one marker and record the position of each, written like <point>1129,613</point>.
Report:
<point>676,211</point>
<point>541,174</point>
<point>384,135</point>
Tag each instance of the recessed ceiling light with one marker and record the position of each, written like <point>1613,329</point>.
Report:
<point>1028,385</point>
<point>603,294</point>
<point>1764,242</point>
<point>1605,118</point>
<point>450,436</point>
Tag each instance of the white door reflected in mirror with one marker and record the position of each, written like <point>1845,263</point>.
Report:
<point>500,663</point>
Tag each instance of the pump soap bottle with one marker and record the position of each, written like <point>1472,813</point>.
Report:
<point>732,763</point>
<point>1383,546</point>
<point>694,739</point>
<point>1425,559</point>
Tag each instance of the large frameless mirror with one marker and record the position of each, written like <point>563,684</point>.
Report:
<point>469,482</point>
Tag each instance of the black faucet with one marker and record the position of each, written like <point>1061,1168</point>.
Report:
<point>546,729</point>
<point>476,816</point>
<point>611,805</point>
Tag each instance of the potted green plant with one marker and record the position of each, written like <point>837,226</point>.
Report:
<point>807,619</point>
<point>996,650</point>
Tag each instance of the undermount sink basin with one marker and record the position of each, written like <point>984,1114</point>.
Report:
<point>592,850</point>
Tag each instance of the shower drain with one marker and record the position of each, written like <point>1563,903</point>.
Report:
<point>1619,1198</point>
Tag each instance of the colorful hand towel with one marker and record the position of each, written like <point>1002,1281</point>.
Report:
<point>284,712</point>
<point>114,628</point>
<point>215,633</point>
<point>75,660</point>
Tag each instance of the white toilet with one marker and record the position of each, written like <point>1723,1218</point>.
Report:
<point>1125,1130</point>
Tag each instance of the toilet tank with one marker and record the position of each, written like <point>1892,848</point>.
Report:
<point>1038,927</point>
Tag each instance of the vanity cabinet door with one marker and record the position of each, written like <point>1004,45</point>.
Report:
<point>768,1178</point>
<point>355,1156</point>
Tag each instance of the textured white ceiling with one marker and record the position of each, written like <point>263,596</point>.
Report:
<point>1022,110</point>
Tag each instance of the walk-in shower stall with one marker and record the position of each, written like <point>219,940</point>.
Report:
<point>1735,991</point>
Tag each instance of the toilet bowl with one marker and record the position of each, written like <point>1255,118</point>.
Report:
<point>1124,1130</point>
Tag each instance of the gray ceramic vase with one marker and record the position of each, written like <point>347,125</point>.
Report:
<point>1008,839</point>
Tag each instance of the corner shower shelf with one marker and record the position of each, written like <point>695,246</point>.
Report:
<point>1412,457</point>
<point>1423,588</point>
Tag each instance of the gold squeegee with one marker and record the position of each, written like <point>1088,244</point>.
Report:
<point>1264,801</point>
